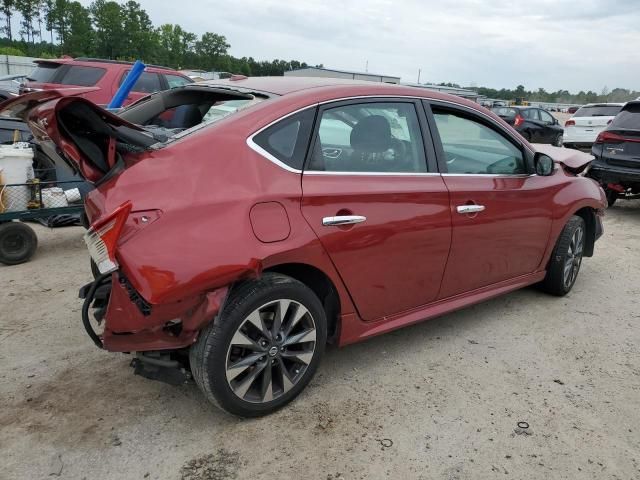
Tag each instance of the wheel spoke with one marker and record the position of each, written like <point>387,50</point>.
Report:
<point>256,319</point>
<point>280,315</point>
<point>303,357</point>
<point>241,340</point>
<point>287,384</point>
<point>297,316</point>
<point>241,365</point>
<point>267,383</point>
<point>308,335</point>
<point>241,390</point>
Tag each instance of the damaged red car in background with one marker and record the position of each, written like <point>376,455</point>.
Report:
<point>239,225</point>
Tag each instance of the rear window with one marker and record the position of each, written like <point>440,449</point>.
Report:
<point>44,72</point>
<point>598,111</point>
<point>628,118</point>
<point>505,112</point>
<point>83,76</point>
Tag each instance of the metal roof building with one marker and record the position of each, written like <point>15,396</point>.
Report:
<point>330,73</point>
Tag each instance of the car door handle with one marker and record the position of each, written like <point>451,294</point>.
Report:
<point>342,220</point>
<point>469,208</point>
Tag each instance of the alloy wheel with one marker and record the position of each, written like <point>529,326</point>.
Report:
<point>574,257</point>
<point>270,351</point>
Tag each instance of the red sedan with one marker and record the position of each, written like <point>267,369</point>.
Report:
<point>267,216</point>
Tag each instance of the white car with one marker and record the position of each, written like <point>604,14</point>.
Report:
<point>582,129</point>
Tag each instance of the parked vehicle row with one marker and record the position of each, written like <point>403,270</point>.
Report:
<point>98,80</point>
<point>286,212</point>
<point>534,124</point>
<point>582,129</point>
<point>617,154</point>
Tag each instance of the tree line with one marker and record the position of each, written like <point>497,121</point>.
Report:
<point>559,96</point>
<point>120,31</point>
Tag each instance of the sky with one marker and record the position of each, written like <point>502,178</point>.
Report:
<point>553,44</point>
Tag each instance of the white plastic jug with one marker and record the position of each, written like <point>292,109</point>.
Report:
<point>16,166</point>
<point>54,197</point>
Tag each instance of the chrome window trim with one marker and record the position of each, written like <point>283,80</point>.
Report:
<point>261,151</point>
<point>374,174</point>
<point>492,175</point>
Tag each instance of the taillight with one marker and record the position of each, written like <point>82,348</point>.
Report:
<point>102,238</point>
<point>519,120</point>
<point>569,123</point>
<point>609,137</point>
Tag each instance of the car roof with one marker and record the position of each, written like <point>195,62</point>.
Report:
<point>603,105</point>
<point>98,62</point>
<point>323,86</point>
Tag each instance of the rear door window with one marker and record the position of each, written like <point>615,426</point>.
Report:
<point>598,111</point>
<point>147,83</point>
<point>81,75</point>
<point>531,114</point>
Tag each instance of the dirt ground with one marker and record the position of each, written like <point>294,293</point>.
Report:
<point>438,400</point>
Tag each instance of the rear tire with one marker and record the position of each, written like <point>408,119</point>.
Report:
<point>566,258</point>
<point>612,196</point>
<point>18,243</point>
<point>557,141</point>
<point>264,347</point>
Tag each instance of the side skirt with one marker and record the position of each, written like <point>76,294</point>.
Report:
<point>353,329</point>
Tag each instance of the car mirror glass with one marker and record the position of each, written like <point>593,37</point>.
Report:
<point>543,164</point>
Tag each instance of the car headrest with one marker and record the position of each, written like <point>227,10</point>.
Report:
<point>371,134</point>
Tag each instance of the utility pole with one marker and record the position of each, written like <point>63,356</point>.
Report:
<point>419,70</point>
<point>366,67</point>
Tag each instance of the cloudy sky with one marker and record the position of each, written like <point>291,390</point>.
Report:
<point>574,45</point>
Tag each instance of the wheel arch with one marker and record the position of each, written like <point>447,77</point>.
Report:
<point>588,214</point>
<point>322,285</point>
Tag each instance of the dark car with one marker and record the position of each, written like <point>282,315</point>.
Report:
<point>617,154</point>
<point>98,80</point>
<point>283,212</point>
<point>534,124</point>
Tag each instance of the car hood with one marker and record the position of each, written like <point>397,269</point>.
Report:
<point>574,160</point>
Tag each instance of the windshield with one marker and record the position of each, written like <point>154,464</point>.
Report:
<point>598,111</point>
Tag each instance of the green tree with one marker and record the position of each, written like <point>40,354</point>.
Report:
<point>57,18</point>
<point>140,38</point>
<point>81,37</point>
<point>6,8</point>
<point>109,30</point>
<point>29,10</point>
<point>210,49</point>
<point>176,46</point>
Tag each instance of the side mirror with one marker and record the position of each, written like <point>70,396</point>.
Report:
<point>543,164</point>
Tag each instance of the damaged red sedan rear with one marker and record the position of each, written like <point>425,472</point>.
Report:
<point>238,226</point>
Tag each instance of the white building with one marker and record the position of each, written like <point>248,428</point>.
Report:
<point>330,73</point>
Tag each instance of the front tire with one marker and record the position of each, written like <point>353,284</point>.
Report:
<point>566,258</point>
<point>263,348</point>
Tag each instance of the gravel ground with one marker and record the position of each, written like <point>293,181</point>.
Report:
<point>437,400</point>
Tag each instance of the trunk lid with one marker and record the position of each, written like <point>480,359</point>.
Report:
<point>91,140</point>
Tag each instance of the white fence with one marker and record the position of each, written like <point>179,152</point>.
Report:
<point>12,65</point>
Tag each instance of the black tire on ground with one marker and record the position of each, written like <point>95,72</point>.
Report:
<point>568,250</point>
<point>18,243</point>
<point>612,196</point>
<point>211,355</point>
<point>557,141</point>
